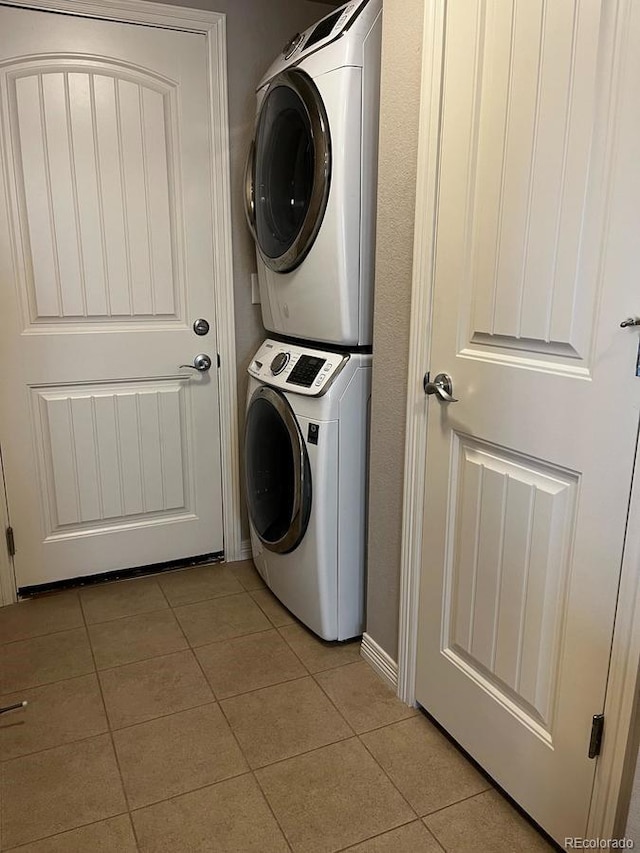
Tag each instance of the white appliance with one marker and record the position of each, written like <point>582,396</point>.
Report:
<point>311,179</point>
<point>305,459</point>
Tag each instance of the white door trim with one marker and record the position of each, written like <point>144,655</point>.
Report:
<point>606,819</point>
<point>212,25</point>
<point>419,343</point>
<point>7,576</point>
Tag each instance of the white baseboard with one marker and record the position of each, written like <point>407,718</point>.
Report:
<point>245,549</point>
<point>383,663</point>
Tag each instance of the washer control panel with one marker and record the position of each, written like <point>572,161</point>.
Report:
<point>296,368</point>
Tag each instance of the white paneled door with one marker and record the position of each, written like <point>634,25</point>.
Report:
<point>111,450</point>
<point>537,253</point>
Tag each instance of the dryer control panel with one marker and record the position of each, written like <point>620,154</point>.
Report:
<point>294,368</point>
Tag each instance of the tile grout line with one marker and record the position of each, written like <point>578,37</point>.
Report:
<point>385,772</point>
<point>306,666</point>
<point>233,734</point>
<point>163,593</point>
<point>304,752</point>
<point>456,803</point>
<point>314,672</point>
<point>5,643</point>
<point>230,639</point>
<point>364,731</point>
<point>266,799</point>
<point>110,731</point>
<point>40,636</point>
<point>5,761</point>
<point>386,831</point>
<point>23,690</point>
<point>94,672</point>
<point>435,838</point>
<point>178,796</point>
<point>142,660</point>
<point>242,753</point>
<point>67,677</point>
<point>127,616</point>
<point>112,585</point>
<point>65,831</point>
<point>164,716</point>
<point>169,605</point>
<point>342,716</point>
<point>265,687</point>
<point>222,639</point>
<point>357,735</point>
<point>421,818</point>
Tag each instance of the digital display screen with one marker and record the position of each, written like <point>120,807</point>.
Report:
<point>323,29</point>
<point>306,370</point>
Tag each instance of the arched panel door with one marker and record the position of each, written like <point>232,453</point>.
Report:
<point>288,171</point>
<point>277,472</point>
<point>109,243</point>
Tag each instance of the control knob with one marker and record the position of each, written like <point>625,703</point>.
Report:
<point>280,362</point>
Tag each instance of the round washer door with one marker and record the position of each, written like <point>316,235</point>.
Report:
<point>289,170</point>
<point>277,472</point>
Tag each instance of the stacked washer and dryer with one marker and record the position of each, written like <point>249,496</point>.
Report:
<point>310,203</point>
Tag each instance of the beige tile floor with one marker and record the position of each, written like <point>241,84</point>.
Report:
<point>190,712</point>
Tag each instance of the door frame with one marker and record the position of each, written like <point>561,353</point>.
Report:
<point>212,25</point>
<point>8,593</point>
<point>616,763</point>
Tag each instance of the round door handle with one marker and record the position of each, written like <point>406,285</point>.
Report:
<point>442,387</point>
<point>201,362</point>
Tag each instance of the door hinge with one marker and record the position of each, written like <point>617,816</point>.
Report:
<point>218,354</point>
<point>11,542</point>
<point>597,728</point>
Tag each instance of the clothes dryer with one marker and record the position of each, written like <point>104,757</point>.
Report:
<point>311,179</point>
<point>305,460</point>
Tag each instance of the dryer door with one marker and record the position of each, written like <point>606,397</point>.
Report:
<point>289,170</point>
<point>277,472</point>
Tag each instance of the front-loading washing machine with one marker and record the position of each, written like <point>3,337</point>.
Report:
<point>311,179</point>
<point>305,460</point>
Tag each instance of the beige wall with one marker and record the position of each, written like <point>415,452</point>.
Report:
<point>256,32</point>
<point>400,93</point>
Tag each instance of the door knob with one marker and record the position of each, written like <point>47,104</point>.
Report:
<point>201,362</point>
<point>442,386</point>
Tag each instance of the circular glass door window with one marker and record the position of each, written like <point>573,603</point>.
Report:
<point>277,472</point>
<point>291,170</point>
